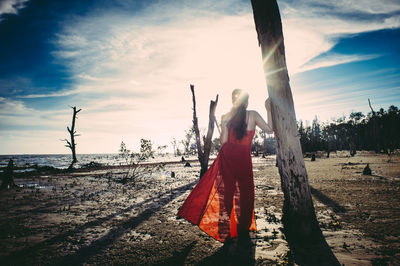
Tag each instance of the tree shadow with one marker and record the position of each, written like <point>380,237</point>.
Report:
<point>336,207</point>
<point>124,226</point>
<point>178,258</point>
<point>307,244</point>
<point>386,177</point>
<point>236,251</point>
<point>311,249</point>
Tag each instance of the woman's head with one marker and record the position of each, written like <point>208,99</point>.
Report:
<point>240,100</point>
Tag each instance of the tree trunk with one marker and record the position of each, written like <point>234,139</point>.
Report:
<point>208,139</point>
<point>71,144</point>
<point>299,219</point>
<point>375,132</point>
<point>204,155</point>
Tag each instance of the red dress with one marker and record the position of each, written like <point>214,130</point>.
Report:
<point>222,203</point>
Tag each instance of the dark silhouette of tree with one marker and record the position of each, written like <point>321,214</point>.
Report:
<point>71,144</point>
<point>187,141</point>
<point>204,152</point>
<point>215,145</point>
<point>315,135</point>
<point>257,143</point>
<point>269,146</point>
<point>262,144</point>
<point>376,131</point>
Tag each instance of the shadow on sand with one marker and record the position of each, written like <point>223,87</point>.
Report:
<point>336,207</point>
<point>306,242</point>
<point>237,251</point>
<point>310,250</point>
<point>86,252</point>
<point>178,258</point>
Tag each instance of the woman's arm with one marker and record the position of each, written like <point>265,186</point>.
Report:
<point>269,116</point>
<point>224,130</point>
<point>260,122</point>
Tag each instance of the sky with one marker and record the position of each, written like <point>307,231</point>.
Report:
<point>128,64</point>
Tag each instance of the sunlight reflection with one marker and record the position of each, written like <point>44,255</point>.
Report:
<point>271,52</point>
<point>274,71</point>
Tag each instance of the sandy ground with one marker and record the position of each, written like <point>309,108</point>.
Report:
<point>89,218</point>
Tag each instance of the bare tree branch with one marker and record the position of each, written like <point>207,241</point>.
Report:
<point>204,155</point>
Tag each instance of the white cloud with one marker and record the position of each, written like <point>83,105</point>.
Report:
<point>366,6</point>
<point>312,28</point>
<point>15,113</point>
<point>145,63</point>
<point>334,59</point>
<point>146,69</point>
<point>11,6</point>
<point>8,107</point>
<point>132,71</point>
<point>51,94</point>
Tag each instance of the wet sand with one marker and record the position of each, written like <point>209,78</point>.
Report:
<point>87,217</point>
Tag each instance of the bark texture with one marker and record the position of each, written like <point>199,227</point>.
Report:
<point>299,219</point>
<point>204,155</point>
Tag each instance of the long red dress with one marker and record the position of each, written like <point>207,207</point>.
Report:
<point>222,203</point>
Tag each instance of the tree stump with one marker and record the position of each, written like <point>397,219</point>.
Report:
<point>8,176</point>
<point>367,170</point>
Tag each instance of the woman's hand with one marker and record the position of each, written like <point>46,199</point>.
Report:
<point>268,104</point>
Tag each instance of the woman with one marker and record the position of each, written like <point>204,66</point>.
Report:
<point>222,203</point>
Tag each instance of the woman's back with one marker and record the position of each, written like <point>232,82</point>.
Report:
<point>245,140</point>
<point>252,120</point>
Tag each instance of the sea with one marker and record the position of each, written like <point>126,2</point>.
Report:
<point>28,162</point>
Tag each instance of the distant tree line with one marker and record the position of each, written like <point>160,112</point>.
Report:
<point>262,144</point>
<point>377,131</point>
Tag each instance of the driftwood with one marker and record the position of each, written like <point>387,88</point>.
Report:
<point>204,155</point>
<point>71,144</point>
<point>300,223</point>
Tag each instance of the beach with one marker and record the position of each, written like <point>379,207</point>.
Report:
<point>90,217</point>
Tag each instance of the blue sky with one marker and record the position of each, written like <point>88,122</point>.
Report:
<point>128,65</point>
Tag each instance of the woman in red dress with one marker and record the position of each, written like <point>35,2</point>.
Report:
<point>222,203</point>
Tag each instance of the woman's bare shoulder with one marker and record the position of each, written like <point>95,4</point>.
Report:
<point>253,113</point>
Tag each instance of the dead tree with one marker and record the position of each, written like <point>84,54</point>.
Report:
<point>300,223</point>
<point>375,128</point>
<point>204,155</point>
<point>72,144</point>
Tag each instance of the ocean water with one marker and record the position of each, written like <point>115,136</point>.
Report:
<point>62,161</point>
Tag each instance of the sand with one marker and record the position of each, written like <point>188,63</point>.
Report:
<point>87,217</point>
